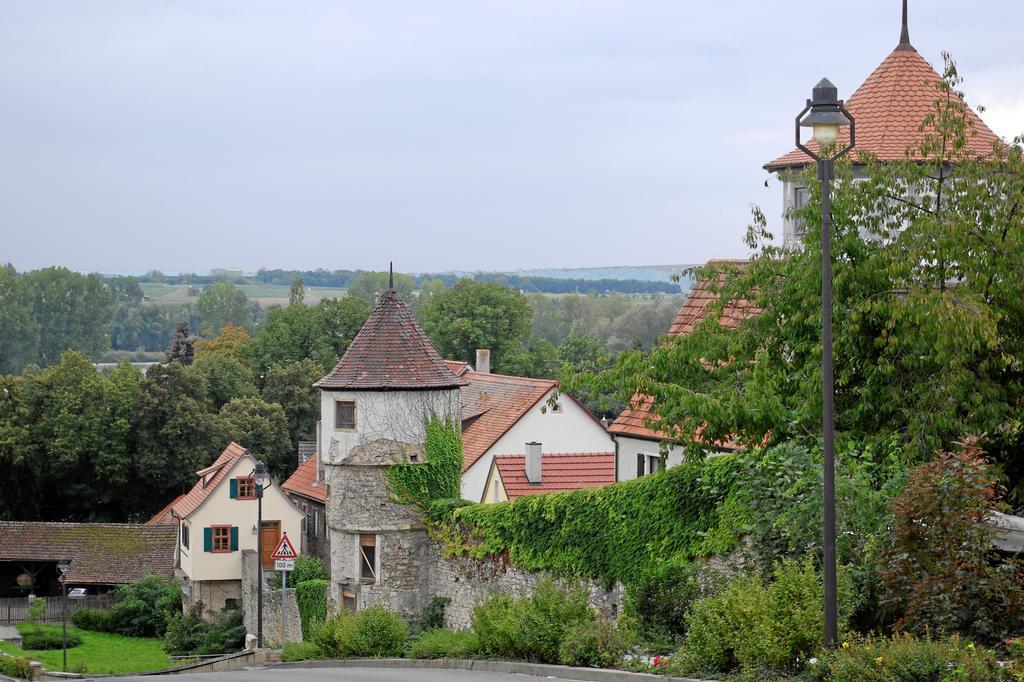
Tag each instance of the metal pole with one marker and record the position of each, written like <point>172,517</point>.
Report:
<point>259,565</point>
<point>825,173</point>
<point>284,586</point>
<point>64,619</point>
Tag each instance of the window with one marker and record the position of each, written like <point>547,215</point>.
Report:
<point>801,195</point>
<point>221,539</point>
<point>495,491</point>
<point>368,558</point>
<point>184,536</point>
<point>230,604</point>
<point>348,600</point>
<point>647,464</point>
<point>344,414</point>
<point>247,488</point>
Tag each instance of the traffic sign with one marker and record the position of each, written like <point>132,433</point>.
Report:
<point>284,564</point>
<point>284,549</point>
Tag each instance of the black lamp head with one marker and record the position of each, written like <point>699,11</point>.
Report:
<point>824,105</point>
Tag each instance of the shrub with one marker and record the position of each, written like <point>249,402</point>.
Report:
<point>432,615</point>
<point>658,599</point>
<point>444,644</point>
<point>530,628</point>
<point>756,627</point>
<point>299,651</point>
<point>597,644</point>
<point>373,633</point>
<point>19,668</point>
<point>943,574</point>
<point>143,608</point>
<point>94,620</point>
<point>189,634</point>
<point>48,638</point>
<point>311,596</point>
<point>905,658</point>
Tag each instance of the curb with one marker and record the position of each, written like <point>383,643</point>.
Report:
<point>535,669</point>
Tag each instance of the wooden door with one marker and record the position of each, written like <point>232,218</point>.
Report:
<point>270,535</point>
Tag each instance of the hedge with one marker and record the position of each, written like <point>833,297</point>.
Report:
<point>609,533</point>
<point>312,598</point>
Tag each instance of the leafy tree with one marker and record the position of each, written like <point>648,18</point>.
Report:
<point>428,289</point>
<point>368,286</point>
<point>125,290</point>
<point>225,377</point>
<point>581,350</point>
<point>535,357</point>
<point>71,311</point>
<point>144,607</point>
<point>182,350</point>
<point>473,315</point>
<point>291,387</point>
<point>223,304</point>
<point>297,293</point>
<point>929,320</point>
<point>342,318</point>
<point>19,332</point>
<point>319,333</point>
<point>233,341</point>
<point>140,327</point>
<point>262,428</point>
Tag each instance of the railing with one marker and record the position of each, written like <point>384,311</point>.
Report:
<point>15,609</point>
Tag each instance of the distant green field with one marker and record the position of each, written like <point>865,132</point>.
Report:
<point>265,294</point>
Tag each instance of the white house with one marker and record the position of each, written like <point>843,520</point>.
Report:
<point>500,414</point>
<point>217,520</point>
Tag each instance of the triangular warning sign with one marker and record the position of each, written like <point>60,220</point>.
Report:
<point>284,549</point>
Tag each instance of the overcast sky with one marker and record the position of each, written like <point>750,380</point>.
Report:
<point>443,135</point>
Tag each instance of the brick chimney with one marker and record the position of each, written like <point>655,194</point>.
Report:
<point>533,468</point>
<point>483,360</point>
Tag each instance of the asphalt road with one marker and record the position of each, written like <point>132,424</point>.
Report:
<point>342,674</point>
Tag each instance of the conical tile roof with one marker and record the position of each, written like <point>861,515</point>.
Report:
<point>888,109</point>
<point>390,352</point>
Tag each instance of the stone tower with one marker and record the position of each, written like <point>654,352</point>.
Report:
<point>373,408</point>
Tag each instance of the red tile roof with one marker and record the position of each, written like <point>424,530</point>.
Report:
<point>390,352</point>
<point>458,367</point>
<point>491,405</point>
<point>100,553</point>
<point>304,482</point>
<point>559,472</point>
<point>208,480</point>
<point>164,516</point>
<point>888,108</point>
<point>631,422</point>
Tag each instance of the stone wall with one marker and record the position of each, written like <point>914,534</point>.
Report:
<point>467,582</point>
<point>272,616</point>
<point>214,594</point>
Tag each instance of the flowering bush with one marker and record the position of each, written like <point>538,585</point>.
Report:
<point>906,658</point>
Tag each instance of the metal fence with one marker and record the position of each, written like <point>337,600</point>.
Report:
<point>15,609</point>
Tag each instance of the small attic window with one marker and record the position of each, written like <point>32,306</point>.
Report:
<point>344,414</point>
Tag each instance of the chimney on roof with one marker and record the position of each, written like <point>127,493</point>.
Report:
<point>483,360</point>
<point>533,469</point>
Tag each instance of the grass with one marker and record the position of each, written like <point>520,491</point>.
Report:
<point>265,294</point>
<point>99,652</point>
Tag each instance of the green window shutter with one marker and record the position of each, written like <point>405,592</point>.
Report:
<point>234,488</point>
<point>234,538</point>
<point>207,539</point>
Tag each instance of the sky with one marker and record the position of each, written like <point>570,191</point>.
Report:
<point>441,135</point>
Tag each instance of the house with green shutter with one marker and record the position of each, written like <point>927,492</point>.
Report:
<point>217,521</point>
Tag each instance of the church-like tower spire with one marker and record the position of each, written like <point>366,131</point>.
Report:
<point>905,32</point>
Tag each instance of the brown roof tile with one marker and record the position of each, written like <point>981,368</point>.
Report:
<point>100,553</point>
<point>164,516</point>
<point>559,472</point>
<point>390,352</point>
<point>208,480</point>
<point>304,482</point>
<point>888,108</point>
<point>491,405</point>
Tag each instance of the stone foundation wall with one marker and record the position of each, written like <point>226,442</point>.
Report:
<point>467,582</point>
<point>215,595</point>
<point>272,617</point>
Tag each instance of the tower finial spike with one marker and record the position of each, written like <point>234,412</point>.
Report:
<point>391,274</point>
<point>904,31</point>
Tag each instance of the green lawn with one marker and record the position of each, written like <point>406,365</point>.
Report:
<point>99,652</point>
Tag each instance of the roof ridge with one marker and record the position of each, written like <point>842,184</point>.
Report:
<point>512,377</point>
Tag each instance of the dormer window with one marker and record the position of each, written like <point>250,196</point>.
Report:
<point>344,414</point>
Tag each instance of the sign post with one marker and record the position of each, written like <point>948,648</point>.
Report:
<point>284,561</point>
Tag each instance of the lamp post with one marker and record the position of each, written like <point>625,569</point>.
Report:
<point>260,477</point>
<point>62,568</point>
<point>825,115</point>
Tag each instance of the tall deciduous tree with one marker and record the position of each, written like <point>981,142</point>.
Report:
<point>70,310</point>
<point>223,304</point>
<point>929,321</point>
<point>262,428</point>
<point>291,387</point>
<point>297,292</point>
<point>319,333</point>
<point>472,315</point>
<point>367,286</point>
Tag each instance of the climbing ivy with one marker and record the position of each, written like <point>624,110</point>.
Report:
<point>608,533</point>
<point>312,598</point>
<point>438,476</point>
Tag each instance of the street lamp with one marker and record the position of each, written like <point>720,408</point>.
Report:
<point>825,115</point>
<point>62,568</point>
<point>260,477</point>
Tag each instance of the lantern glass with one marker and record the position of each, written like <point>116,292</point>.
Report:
<point>825,134</point>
